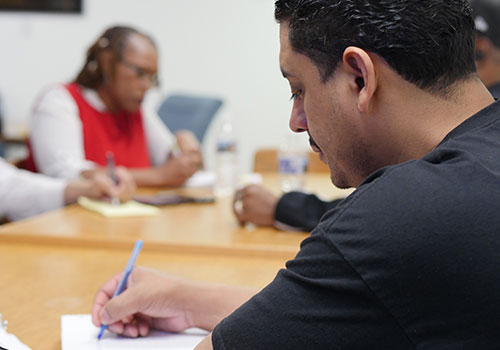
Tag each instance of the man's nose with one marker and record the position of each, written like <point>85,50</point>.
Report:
<point>298,121</point>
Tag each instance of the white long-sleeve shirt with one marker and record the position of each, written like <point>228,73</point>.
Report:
<point>24,194</point>
<point>57,139</point>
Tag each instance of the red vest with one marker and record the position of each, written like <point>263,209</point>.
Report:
<point>120,132</point>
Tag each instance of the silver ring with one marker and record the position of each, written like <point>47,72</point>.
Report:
<point>238,206</point>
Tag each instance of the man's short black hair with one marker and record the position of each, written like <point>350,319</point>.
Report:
<point>428,42</point>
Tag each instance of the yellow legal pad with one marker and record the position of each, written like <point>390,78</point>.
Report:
<point>130,208</point>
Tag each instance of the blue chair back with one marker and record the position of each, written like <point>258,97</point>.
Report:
<point>185,112</point>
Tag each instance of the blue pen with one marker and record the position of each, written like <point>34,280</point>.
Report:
<point>123,280</point>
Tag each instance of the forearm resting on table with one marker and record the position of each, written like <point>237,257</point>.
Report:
<point>205,344</point>
<point>153,177</point>
<point>216,303</point>
<point>209,304</point>
<point>174,172</point>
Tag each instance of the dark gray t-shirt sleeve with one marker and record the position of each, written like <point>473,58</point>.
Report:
<point>317,302</point>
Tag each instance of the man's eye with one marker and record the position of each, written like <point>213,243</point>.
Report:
<point>295,95</point>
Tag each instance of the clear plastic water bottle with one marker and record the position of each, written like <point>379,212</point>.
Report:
<point>292,165</point>
<point>226,161</point>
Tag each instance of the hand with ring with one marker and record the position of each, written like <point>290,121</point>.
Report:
<point>255,204</point>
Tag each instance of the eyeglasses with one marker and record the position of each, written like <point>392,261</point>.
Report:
<point>142,73</point>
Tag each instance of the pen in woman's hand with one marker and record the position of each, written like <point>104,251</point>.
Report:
<point>110,160</point>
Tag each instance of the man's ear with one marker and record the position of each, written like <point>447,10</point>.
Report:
<point>359,65</point>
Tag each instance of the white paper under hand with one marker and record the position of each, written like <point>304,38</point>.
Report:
<point>78,333</point>
<point>10,341</point>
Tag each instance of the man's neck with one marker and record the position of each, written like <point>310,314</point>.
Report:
<point>425,119</point>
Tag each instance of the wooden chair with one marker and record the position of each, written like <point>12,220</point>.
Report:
<point>266,160</point>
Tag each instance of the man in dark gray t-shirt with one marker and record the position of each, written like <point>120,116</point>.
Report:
<point>297,210</point>
<point>388,93</point>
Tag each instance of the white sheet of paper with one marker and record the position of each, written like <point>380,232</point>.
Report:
<point>78,333</point>
<point>10,341</point>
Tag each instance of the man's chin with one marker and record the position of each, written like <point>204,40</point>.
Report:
<point>339,181</point>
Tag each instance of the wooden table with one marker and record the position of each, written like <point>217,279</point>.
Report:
<point>39,283</point>
<point>203,228</point>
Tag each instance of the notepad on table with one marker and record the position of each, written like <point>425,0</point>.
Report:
<point>130,208</point>
<point>78,333</point>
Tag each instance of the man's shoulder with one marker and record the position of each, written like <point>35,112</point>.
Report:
<point>393,189</point>
<point>422,237</point>
<point>417,199</point>
<point>441,197</point>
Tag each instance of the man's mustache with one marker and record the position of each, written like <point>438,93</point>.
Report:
<point>312,142</point>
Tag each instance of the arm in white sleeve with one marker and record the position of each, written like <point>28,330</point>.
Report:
<point>159,138</point>
<point>56,135</point>
<point>24,194</point>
